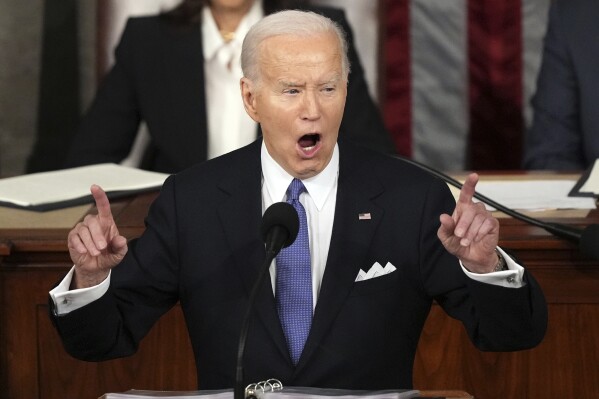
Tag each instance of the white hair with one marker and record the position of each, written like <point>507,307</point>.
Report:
<point>288,22</point>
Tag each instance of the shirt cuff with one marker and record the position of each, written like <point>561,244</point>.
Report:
<point>67,300</point>
<point>511,278</point>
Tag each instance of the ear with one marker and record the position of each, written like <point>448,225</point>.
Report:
<point>248,95</point>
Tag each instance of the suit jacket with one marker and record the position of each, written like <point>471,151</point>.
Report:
<point>158,77</point>
<point>202,247</point>
<point>565,130</point>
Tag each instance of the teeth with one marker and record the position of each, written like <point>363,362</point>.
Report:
<point>307,149</point>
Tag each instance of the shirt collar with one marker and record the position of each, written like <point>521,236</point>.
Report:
<point>277,180</point>
<point>212,41</point>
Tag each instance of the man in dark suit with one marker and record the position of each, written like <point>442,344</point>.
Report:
<point>565,130</point>
<point>161,77</point>
<point>365,210</point>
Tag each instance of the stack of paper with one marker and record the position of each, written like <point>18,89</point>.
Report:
<point>534,195</point>
<point>68,187</point>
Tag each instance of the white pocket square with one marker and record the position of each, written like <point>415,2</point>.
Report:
<point>376,270</point>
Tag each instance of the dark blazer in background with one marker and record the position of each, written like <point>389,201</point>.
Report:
<point>565,130</point>
<point>202,247</point>
<point>158,78</point>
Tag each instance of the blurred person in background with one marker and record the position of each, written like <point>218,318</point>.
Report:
<point>565,129</point>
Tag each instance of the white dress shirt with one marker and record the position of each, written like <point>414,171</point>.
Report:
<point>229,126</point>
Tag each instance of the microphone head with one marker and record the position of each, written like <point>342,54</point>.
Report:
<point>589,241</point>
<point>281,215</point>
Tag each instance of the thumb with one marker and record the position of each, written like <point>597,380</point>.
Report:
<point>118,245</point>
<point>447,227</point>
<point>446,235</point>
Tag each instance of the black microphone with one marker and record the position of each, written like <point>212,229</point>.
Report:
<point>587,238</point>
<point>280,225</point>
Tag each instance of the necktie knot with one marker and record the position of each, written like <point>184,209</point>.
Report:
<point>295,189</point>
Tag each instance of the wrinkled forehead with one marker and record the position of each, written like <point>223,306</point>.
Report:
<point>317,49</point>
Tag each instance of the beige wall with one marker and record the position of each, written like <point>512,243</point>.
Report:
<point>20,29</point>
<point>20,51</point>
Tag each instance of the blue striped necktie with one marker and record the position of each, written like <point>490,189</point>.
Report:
<point>294,281</point>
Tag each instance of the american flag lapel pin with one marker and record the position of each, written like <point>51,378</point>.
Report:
<point>364,216</point>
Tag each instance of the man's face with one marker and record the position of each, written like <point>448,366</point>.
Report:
<point>298,100</point>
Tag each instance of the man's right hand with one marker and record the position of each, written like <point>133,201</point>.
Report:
<point>95,244</point>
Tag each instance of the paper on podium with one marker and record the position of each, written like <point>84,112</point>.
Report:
<point>63,188</point>
<point>138,394</point>
<point>531,195</point>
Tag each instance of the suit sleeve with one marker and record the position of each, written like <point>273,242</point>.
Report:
<point>496,318</point>
<point>362,121</point>
<point>555,139</point>
<point>109,127</point>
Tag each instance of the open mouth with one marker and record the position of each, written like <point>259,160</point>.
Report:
<point>308,141</point>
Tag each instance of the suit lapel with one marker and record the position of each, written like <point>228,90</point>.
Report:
<point>350,242</point>
<point>241,217</point>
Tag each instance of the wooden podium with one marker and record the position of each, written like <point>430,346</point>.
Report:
<point>33,364</point>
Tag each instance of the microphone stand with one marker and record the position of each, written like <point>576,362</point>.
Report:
<point>280,225</point>
<point>239,392</point>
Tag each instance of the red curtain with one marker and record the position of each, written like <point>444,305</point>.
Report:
<point>395,72</point>
<point>495,84</point>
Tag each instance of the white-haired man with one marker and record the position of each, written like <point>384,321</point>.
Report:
<point>202,244</point>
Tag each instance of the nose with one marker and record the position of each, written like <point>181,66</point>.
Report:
<point>311,106</point>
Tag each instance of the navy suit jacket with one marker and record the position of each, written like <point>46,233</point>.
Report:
<point>202,247</point>
<point>565,130</point>
<point>158,78</point>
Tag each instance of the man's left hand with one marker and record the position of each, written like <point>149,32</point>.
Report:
<point>471,233</point>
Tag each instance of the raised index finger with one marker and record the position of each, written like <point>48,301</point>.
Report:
<point>102,203</point>
<point>468,188</point>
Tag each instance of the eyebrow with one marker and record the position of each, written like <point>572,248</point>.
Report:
<point>284,83</point>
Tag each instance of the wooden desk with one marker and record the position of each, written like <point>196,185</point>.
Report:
<point>34,365</point>
<point>453,394</point>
